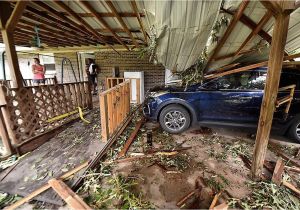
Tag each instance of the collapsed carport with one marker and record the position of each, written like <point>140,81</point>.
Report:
<point>163,49</point>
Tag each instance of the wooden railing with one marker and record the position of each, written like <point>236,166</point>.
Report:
<point>113,81</point>
<point>286,99</point>
<point>29,82</point>
<point>26,111</point>
<point>114,108</point>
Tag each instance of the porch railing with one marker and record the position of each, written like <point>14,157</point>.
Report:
<point>25,112</point>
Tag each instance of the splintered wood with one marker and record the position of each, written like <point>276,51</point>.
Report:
<point>45,187</point>
<point>131,138</point>
<point>71,198</point>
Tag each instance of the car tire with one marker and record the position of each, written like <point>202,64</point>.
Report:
<point>292,132</point>
<point>174,119</point>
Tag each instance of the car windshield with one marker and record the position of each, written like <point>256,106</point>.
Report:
<point>254,80</point>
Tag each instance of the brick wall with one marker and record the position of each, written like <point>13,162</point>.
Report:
<point>68,73</point>
<point>129,61</point>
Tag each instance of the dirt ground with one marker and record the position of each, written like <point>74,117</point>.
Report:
<point>210,161</point>
<point>201,162</point>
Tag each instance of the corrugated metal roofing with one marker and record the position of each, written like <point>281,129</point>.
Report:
<point>183,28</point>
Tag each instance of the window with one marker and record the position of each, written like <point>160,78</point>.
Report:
<point>252,80</point>
<point>47,58</point>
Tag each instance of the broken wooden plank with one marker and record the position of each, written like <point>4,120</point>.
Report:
<point>291,187</point>
<point>71,198</point>
<point>287,158</point>
<point>45,187</point>
<point>223,206</point>
<point>277,174</point>
<point>131,138</point>
<point>293,169</point>
<point>215,200</point>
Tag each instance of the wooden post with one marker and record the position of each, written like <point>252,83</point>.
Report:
<point>8,21</point>
<point>71,198</point>
<point>270,92</point>
<point>4,136</point>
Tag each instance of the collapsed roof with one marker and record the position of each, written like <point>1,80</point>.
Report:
<point>176,32</point>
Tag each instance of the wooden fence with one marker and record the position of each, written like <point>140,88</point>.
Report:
<point>113,81</point>
<point>114,108</point>
<point>25,112</point>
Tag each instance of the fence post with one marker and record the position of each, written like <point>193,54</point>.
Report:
<point>104,117</point>
<point>4,136</point>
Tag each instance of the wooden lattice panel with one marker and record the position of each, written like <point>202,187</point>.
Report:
<point>29,108</point>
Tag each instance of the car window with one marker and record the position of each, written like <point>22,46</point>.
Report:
<point>254,80</point>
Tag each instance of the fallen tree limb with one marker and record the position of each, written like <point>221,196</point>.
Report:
<point>223,206</point>
<point>291,187</point>
<point>71,198</point>
<point>45,187</point>
<point>186,197</point>
<point>131,138</point>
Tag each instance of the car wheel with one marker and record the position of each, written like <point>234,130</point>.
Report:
<point>174,119</point>
<point>294,130</point>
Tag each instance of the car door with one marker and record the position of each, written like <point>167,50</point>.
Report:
<point>236,98</point>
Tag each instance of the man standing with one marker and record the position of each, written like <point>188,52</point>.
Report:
<point>92,74</point>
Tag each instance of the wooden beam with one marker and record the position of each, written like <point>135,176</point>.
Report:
<point>135,9</point>
<point>44,36</point>
<point>5,11</point>
<point>249,67</point>
<point>37,15</point>
<point>57,26</point>
<point>254,32</point>
<point>47,34</point>
<point>8,40</point>
<point>272,6</point>
<point>84,23</point>
<point>61,17</point>
<point>270,93</point>
<point>109,14</point>
<point>121,21</point>
<point>101,20</point>
<point>52,32</point>
<point>251,24</point>
<point>116,30</point>
<point>45,187</point>
<point>228,31</point>
<point>16,15</point>
<point>15,73</point>
<point>278,171</point>
<point>244,68</point>
<point>71,198</point>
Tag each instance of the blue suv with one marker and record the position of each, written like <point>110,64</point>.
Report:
<point>233,99</point>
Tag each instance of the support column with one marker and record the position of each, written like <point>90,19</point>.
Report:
<point>270,92</point>
<point>11,54</point>
<point>8,20</point>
